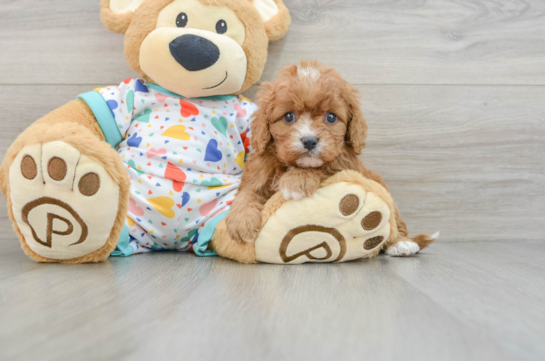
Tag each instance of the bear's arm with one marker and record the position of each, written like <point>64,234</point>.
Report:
<point>76,111</point>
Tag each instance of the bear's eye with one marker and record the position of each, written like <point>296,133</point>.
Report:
<point>221,27</point>
<point>331,118</point>
<point>289,117</point>
<point>181,20</point>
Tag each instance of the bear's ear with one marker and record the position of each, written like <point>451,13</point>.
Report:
<point>276,17</point>
<point>117,14</point>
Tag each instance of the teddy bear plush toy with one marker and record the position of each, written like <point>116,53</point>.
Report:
<point>154,163</point>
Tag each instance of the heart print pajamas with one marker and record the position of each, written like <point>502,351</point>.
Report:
<point>184,158</point>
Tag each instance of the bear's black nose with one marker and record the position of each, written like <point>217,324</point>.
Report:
<point>309,143</point>
<point>194,52</point>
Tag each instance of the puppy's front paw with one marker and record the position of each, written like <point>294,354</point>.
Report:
<point>289,194</point>
<point>298,186</point>
<point>243,225</point>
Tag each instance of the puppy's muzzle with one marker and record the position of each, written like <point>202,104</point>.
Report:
<point>309,143</point>
<point>194,52</point>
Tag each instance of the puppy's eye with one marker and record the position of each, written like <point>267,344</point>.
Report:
<point>289,117</point>
<point>221,27</point>
<point>331,118</point>
<point>181,20</point>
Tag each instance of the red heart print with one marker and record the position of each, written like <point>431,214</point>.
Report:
<point>188,109</point>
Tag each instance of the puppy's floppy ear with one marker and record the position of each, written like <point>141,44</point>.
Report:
<point>261,134</point>
<point>357,126</point>
<point>276,17</point>
<point>117,14</point>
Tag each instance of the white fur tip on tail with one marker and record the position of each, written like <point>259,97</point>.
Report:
<point>435,235</point>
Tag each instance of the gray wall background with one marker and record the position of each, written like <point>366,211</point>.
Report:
<point>453,91</point>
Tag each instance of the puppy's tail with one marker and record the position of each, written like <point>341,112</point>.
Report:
<point>424,240</point>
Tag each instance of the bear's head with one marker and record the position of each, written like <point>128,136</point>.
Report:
<point>197,48</point>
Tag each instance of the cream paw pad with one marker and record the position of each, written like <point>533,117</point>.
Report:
<point>64,204</point>
<point>342,221</point>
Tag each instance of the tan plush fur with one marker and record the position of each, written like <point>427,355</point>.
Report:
<point>223,245</point>
<point>278,25</point>
<point>73,124</point>
<point>118,23</point>
<point>310,91</point>
<point>143,22</point>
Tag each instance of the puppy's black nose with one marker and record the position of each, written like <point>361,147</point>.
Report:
<point>309,143</point>
<point>194,52</point>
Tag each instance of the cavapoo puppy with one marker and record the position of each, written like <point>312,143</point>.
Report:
<point>308,128</point>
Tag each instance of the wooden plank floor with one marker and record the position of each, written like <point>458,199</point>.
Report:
<point>454,94</point>
<point>456,301</point>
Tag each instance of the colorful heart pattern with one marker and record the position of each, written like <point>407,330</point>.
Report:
<point>140,87</point>
<point>188,109</point>
<point>214,182</point>
<point>220,125</point>
<point>175,173</point>
<point>144,117</point>
<point>134,141</point>
<point>177,132</point>
<point>240,159</point>
<point>161,97</point>
<point>213,154</point>
<point>134,209</point>
<point>163,205</point>
<point>184,158</point>
<point>153,153</point>
<point>241,113</point>
<point>208,207</point>
<point>130,101</point>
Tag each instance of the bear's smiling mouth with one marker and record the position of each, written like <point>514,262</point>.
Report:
<point>223,81</point>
